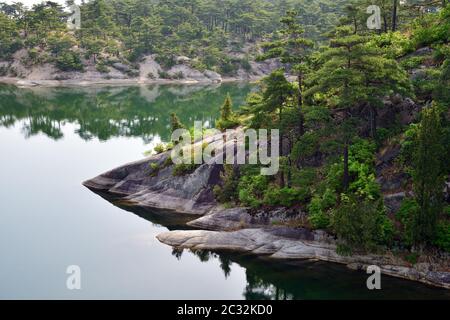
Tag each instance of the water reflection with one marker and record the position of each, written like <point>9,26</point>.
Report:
<point>107,112</point>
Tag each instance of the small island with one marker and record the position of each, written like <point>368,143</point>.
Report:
<point>363,152</point>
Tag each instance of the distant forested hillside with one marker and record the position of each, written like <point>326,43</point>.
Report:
<point>207,30</point>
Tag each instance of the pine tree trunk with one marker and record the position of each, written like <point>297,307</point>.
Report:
<point>394,15</point>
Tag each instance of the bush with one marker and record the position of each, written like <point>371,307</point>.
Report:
<point>184,169</point>
<point>69,61</point>
<point>164,75</point>
<point>447,211</point>
<point>102,68</point>
<point>154,169</point>
<point>223,124</point>
<point>228,191</point>
<point>160,148</point>
<point>319,207</point>
<point>395,44</point>
<point>166,60</point>
<point>251,190</point>
<point>412,62</point>
<point>245,64</point>
<point>363,224</point>
<point>286,197</point>
<point>442,239</point>
<point>405,215</point>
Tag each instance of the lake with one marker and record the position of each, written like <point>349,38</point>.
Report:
<point>52,139</point>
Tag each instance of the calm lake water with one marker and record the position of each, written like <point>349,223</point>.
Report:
<point>53,139</point>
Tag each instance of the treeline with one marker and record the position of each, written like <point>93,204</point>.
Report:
<point>126,30</point>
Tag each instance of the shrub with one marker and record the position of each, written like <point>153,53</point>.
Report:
<point>164,75</point>
<point>154,169</point>
<point>318,207</point>
<point>228,190</point>
<point>405,215</point>
<point>447,211</point>
<point>363,224</point>
<point>245,64</point>
<point>251,190</point>
<point>160,148</point>
<point>395,44</point>
<point>286,197</point>
<point>442,239</point>
<point>248,199</point>
<point>184,169</point>
<point>412,62</point>
<point>69,61</point>
<point>165,60</point>
<point>102,68</point>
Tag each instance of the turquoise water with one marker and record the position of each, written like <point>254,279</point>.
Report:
<point>53,139</point>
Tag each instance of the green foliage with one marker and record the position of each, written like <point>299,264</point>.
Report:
<point>428,172</point>
<point>251,190</point>
<point>60,42</point>
<point>102,68</point>
<point>432,28</point>
<point>412,258</point>
<point>227,191</point>
<point>154,169</point>
<point>318,209</point>
<point>412,62</point>
<point>228,119</point>
<point>69,61</point>
<point>447,211</point>
<point>285,197</point>
<point>393,44</point>
<point>406,214</point>
<point>362,225</point>
<point>184,169</point>
<point>304,177</point>
<point>160,148</point>
<point>442,239</point>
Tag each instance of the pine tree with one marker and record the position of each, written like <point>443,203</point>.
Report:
<point>354,73</point>
<point>293,50</point>
<point>428,173</point>
<point>226,111</point>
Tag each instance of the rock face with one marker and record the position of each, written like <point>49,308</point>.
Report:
<point>151,183</point>
<point>148,70</point>
<point>190,194</point>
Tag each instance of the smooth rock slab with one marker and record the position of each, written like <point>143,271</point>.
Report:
<point>267,242</point>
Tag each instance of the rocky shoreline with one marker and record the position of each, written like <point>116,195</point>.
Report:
<point>114,82</point>
<point>238,229</point>
<point>147,71</point>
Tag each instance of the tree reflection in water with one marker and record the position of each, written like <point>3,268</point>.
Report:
<point>107,112</point>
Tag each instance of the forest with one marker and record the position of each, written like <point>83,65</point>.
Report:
<point>365,124</point>
<point>127,30</point>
